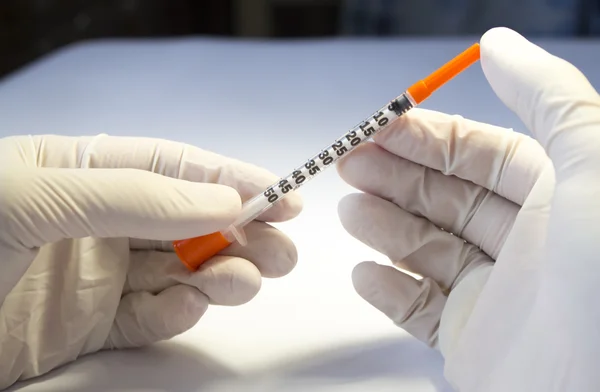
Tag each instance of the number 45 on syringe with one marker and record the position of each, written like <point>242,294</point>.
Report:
<point>195,251</point>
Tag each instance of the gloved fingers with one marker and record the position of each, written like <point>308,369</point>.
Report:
<point>164,157</point>
<point>273,252</point>
<point>144,244</point>
<point>46,205</point>
<point>269,249</point>
<point>225,280</point>
<point>552,97</point>
<point>461,207</point>
<point>40,206</point>
<point>413,305</point>
<point>143,318</point>
<point>459,306</point>
<point>499,159</point>
<point>412,243</point>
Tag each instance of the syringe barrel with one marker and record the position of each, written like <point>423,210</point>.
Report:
<point>251,209</point>
<point>195,251</point>
<point>341,147</point>
<point>324,159</point>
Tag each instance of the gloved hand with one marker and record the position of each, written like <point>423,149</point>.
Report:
<point>504,229</point>
<point>86,260</point>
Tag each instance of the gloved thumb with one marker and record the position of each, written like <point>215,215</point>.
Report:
<point>413,305</point>
<point>552,97</point>
<point>46,205</point>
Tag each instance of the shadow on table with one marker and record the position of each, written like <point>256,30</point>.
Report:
<point>399,359</point>
<point>173,367</point>
<point>166,366</point>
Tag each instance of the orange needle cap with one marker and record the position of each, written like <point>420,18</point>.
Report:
<point>194,251</point>
<point>423,88</point>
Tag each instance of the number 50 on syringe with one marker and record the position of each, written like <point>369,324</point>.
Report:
<point>195,251</point>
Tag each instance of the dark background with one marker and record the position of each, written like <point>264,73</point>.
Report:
<point>32,28</point>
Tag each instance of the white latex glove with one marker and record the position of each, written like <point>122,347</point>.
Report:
<point>86,260</point>
<point>510,297</point>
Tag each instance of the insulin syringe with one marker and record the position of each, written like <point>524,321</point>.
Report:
<point>195,251</point>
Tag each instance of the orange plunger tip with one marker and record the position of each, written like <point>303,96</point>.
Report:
<point>195,251</point>
<point>423,88</point>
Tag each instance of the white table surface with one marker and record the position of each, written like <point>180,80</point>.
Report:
<point>309,330</point>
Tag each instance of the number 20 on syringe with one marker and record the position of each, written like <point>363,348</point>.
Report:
<point>342,146</point>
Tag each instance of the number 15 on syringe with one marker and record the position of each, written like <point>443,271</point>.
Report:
<point>194,251</point>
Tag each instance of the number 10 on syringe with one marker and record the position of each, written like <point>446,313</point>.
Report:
<point>195,251</point>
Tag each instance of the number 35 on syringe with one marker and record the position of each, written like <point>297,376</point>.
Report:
<point>341,146</point>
